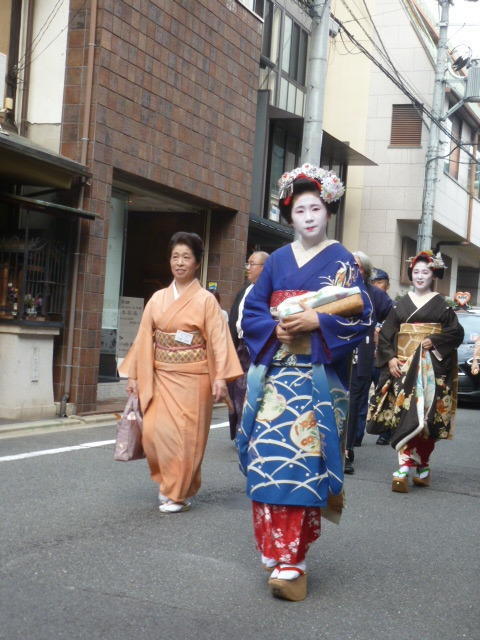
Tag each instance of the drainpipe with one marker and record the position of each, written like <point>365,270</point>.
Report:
<point>471,187</point>
<point>83,160</point>
<point>22,125</point>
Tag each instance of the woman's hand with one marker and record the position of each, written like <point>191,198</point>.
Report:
<point>303,322</point>
<point>427,343</point>
<point>132,386</point>
<point>475,367</point>
<point>283,336</point>
<point>394,368</point>
<point>220,393</point>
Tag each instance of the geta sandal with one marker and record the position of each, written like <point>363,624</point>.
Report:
<point>293,590</point>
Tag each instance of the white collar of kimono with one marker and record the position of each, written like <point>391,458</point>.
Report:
<point>302,255</point>
<point>176,293</point>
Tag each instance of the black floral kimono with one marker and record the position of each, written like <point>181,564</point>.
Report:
<point>423,400</point>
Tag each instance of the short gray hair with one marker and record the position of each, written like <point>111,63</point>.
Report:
<point>365,262</point>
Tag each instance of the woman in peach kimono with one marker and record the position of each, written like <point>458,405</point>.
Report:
<point>179,364</point>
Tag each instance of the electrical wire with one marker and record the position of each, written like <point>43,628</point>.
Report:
<point>415,101</point>
<point>40,33</point>
<point>32,59</point>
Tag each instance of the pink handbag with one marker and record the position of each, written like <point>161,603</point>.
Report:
<point>129,433</point>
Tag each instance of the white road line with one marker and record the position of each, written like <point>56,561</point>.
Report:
<point>77,447</point>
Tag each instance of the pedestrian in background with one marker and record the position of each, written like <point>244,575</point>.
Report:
<point>380,279</point>
<point>236,389</point>
<point>363,371</point>
<point>289,440</point>
<point>178,365</point>
<point>416,395</point>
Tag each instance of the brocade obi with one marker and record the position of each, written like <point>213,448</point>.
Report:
<point>168,349</point>
<point>301,345</point>
<point>411,334</point>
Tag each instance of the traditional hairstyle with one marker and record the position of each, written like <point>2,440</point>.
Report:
<point>309,178</point>
<point>434,262</point>
<point>191,240</point>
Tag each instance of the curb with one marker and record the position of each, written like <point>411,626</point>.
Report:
<point>99,420</point>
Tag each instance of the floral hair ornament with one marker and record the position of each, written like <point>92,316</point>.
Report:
<point>330,186</point>
<point>434,261</point>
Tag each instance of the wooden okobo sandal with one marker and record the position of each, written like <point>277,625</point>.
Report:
<point>422,477</point>
<point>294,590</point>
<point>400,481</point>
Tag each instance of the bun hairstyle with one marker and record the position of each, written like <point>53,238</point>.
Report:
<point>307,178</point>
<point>433,262</point>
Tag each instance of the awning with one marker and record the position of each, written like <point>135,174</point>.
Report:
<point>270,228</point>
<point>24,162</point>
<point>46,207</point>
<point>340,152</point>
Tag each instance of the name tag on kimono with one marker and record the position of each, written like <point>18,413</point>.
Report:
<point>184,337</point>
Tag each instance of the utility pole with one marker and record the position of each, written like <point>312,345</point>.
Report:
<point>316,74</point>
<point>425,227</point>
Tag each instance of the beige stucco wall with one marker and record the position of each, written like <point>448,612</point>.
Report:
<point>345,115</point>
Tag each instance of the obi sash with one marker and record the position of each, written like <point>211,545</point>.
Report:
<point>167,349</point>
<point>302,343</point>
<point>411,334</point>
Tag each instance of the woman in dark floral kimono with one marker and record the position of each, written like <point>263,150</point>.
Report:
<point>416,393</point>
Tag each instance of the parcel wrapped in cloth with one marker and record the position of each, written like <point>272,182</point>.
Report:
<point>331,299</point>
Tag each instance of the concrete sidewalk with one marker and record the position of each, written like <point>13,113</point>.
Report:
<point>96,420</point>
<point>12,427</point>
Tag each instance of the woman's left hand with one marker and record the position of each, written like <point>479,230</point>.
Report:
<point>302,322</point>
<point>220,392</point>
<point>427,344</point>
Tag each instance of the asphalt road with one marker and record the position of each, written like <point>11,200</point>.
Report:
<point>85,554</point>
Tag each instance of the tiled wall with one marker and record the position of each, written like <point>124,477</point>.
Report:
<point>174,102</point>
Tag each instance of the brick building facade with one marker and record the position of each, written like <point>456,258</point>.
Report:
<point>171,126</point>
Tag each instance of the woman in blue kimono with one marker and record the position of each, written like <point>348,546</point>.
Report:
<point>290,439</point>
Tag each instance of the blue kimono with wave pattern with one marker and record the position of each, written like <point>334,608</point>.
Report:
<point>289,442</point>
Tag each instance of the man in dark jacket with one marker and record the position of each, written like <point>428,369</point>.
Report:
<point>236,389</point>
<point>363,365</point>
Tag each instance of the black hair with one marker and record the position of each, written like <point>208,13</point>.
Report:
<point>437,273</point>
<point>303,186</point>
<point>191,240</point>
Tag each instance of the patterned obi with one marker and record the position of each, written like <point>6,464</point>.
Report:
<point>411,334</point>
<point>279,296</point>
<point>167,349</point>
<point>302,344</point>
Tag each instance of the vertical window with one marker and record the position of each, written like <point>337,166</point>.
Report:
<point>406,128</point>
<point>452,162</point>
<point>476,179</point>
<point>287,43</point>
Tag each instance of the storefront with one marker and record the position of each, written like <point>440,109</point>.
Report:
<point>143,218</point>
<point>38,225</point>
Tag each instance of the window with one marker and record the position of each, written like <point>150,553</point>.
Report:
<point>294,51</point>
<point>409,249</point>
<point>257,6</point>
<point>452,164</point>
<point>406,126</point>
<point>34,254</point>
<point>476,179</point>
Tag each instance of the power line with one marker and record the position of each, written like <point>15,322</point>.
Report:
<point>415,101</point>
<point>41,32</point>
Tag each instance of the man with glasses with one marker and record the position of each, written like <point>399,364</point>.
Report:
<point>236,389</point>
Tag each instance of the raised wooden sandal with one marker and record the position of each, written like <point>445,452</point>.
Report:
<point>293,590</point>
<point>400,482</point>
<point>422,481</point>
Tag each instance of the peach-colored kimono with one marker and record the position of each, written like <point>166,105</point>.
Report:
<point>175,382</point>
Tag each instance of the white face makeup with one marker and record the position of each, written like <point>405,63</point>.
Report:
<point>422,277</point>
<point>309,218</point>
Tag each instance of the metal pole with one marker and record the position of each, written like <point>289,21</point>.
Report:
<point>316,74</point>
<point>431,168</point>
